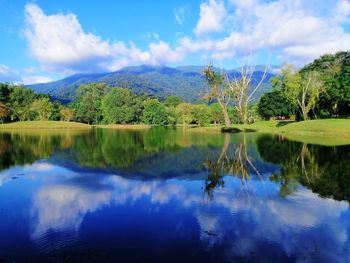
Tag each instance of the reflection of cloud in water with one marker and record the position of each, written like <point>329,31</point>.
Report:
<point>299,225</point>
<point>28,171</point>
<point>303,225</point>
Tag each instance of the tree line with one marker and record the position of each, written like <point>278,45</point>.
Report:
<point>96,103</point>
<point>318,90</point>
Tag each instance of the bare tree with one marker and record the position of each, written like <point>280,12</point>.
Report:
<point>243,91</point>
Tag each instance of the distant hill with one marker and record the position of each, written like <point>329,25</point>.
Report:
<point>187,82</point>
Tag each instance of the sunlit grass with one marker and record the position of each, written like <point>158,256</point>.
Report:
<point>35,125</point>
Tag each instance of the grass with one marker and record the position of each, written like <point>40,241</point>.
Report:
<point>323,132</point>
<point>39,125</point>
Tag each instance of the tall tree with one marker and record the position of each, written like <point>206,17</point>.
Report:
<point>202,114</point>
<point>172,101</point>
<point>154,112</point>
<point>243,90</point>
<point>88,106</point>
<point>42,108</point>
<point>274,104</point>
<point>4,112</point>
<point>121,106</point>
<point>302,91</point>
<point>219,90</point>
<point>334,72</point>
<point>20,100</point>
<point>67,114</point>
<point>184,113</point>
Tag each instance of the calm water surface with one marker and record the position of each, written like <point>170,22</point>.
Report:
<point>171,196</point>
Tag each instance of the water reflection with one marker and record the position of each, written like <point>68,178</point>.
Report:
<point>324,170</point>
<point>172,196</point>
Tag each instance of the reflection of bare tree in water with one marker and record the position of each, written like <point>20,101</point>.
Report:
<point>217,169</point>
<point>308,163</point>
<point>240,165</point>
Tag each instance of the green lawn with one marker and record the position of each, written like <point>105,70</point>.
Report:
<point>34,125</point>
<point>323,132</point>
<point>329,132</point>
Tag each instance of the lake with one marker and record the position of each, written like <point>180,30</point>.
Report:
<point>167,195</point>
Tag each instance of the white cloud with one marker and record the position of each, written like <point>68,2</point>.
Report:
<point>7,74</point>
<point>35,79</point>
<point>13,76</point>
<point>292,30</point>
<point>59,43</point>
<point>211,15</point>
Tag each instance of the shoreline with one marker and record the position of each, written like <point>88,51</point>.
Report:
<point>325,132</point>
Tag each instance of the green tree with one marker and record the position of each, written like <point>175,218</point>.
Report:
<point>274,104</point>
<point>302,91</point>
<point>332,70</point>
<point>67,114</point>
<point>20,100</point>
<point>172,101</point>
<point>184,113</point>
<point>56,109</point>
<point>154,112</point>
<point>202,114</point>
<point>42,108</point>
<point>216,114</point>
<point>5,91</point>
<point>121,106</point>
<point>171,115</point>
<point>88,104</point>
<point>4,112</point>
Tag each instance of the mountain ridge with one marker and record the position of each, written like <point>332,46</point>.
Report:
<point>186,82</point>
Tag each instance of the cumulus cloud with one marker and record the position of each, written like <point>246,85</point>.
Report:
<point>211,15</point>
<point>59,43</point>
<point>291,30</point>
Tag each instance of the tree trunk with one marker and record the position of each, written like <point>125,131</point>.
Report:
<point>224,111</point>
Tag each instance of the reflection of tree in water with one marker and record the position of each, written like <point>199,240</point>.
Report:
<point>123,150</point>
<point>240,165</point>
<point>325,170</point>
<point>20,148</point>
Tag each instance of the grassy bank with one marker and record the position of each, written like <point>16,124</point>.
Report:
<point>39,125</point>
<point>324,132</point>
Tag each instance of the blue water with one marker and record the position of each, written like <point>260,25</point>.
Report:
<point>69,204</point>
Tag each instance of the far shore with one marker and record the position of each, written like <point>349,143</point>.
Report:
<point>325,132</point>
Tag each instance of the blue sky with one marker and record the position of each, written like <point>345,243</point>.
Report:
<point>45,40</point>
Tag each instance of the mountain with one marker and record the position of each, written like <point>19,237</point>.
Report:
<point>187,82</point>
